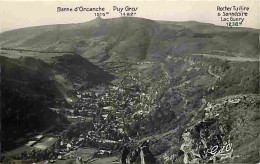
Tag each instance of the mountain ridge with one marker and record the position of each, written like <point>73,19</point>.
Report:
<point>98,40</point>
<point>163,21</point>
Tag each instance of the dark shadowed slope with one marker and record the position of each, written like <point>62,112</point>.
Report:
<point>29,87</point>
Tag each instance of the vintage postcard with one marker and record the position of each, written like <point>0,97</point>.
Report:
<point>129,81</point>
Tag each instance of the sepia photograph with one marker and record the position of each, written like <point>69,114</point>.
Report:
<point>129,82</point>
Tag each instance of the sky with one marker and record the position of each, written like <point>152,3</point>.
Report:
<point>19,14</point>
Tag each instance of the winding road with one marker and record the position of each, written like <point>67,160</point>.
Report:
<point>213,74</point>
<point>229,58</point>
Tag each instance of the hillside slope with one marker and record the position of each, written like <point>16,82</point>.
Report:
<point>109,39</point>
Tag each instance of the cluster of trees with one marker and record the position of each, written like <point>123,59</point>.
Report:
<point>238,79</point>
<point>22,114</point>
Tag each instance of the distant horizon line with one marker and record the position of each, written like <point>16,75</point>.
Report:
<point>7,30</point>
